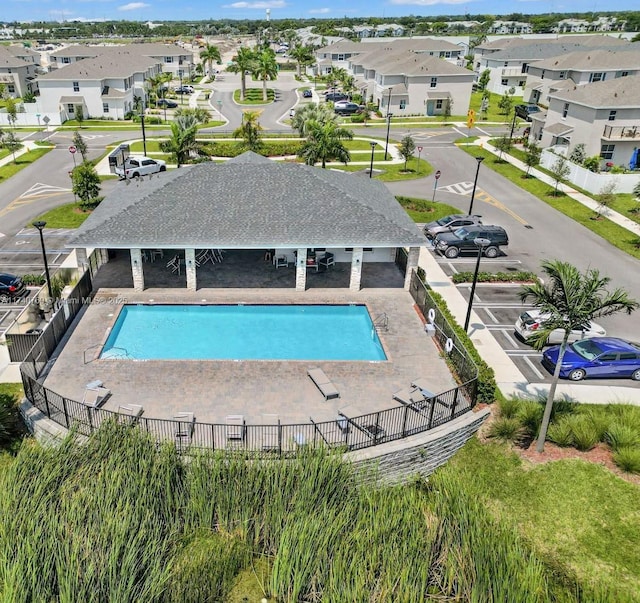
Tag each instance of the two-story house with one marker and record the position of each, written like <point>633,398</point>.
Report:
<point>580,67</point>
<point>104,86</point>
<point>603,115</point>
<point>17,75</point>
<point>510,27</point>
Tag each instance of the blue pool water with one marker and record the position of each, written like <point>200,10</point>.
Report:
<point>243,332</point>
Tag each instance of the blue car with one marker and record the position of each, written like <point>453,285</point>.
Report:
<point>599,357</point>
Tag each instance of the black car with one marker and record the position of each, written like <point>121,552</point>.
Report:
<point>335,96</point>
<point>169,104</point>
<point>347,108</point>
<point>307,94</point>
<point>525,111</point>
<point>451,244</point>
<point>11,287</point>
<point>449,223</point>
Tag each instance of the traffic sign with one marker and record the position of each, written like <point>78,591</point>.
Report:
<point>471,114</point>
<point>72,149</point>
<point>437,174</point>
<point>419,149</point>
<point>470,121</point>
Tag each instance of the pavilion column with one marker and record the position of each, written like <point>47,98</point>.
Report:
<point>81,258</point>
<point>301,269</point>
<point>104,255</point>
<point>136,269</point>
<point>190,263</point>
<point>356,269</point>
<point>412,264</point>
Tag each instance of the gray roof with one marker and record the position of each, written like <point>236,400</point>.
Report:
<point>403,62</point>
<point>386,44</point>
<point>9,60</point>
<point>248,203</point>
<point>113,65</point>
<point>543,50</point>
<point>619,92</point>
<point>595,58</point>
<point>148,50</point>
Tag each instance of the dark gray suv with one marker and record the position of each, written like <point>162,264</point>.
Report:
<point>452,244</point>
<point>449,223</point>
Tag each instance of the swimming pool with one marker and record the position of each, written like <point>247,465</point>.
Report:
<point>244,332</point>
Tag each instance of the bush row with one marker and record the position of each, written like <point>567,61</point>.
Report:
<point>520,276</point>
<point>33,279</point>
<point>267,149</point>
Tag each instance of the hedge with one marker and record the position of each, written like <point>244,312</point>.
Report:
<point>33,279</point>
<point>496,277</point>
<point>268,148</point>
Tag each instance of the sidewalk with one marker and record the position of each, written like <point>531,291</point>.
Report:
<point>28,145</point>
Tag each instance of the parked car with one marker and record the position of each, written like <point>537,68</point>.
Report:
<point>135,166</point>
<point>169,104</point>
<point>11,288</point>
<point>335,96</point>
<point>347,108</point>
<point>525,111</point>
<point>600,357</point>
<point>530,321</point>
<point>449,223</point>
<point>307,94</point>
<point>185,90</point>
<point>451,244</point>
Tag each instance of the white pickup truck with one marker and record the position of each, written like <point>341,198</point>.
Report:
<point>136,165</point>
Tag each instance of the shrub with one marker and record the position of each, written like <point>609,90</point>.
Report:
<point>622,435</point>
<point>585,434</point>
<point>9,420</point>
<point>509,407</point>
<point>600,422</point>
<point>561,432</point>
<point>592,163</point>
<point>269,148</point>
<point>628,459</point>
<point>358,118</point>
<point>505,429</point>
<point>492,277</point>
<point>33,279</point>
<point>530,415</point>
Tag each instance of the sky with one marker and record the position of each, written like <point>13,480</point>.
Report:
<point>158,10</point>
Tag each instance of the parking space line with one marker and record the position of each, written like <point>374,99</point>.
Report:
<point>533,368</point>
<point>511,340</point>
<point>442,260</point>
<point>490,314</point>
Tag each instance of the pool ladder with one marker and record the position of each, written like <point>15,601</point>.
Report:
<point>381,323</point>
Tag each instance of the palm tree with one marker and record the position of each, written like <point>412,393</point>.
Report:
<point>250,130</point>
<point>183,139</point>
<point>310,113</point>
<point>303,55</point>
<point>242,63</point>
<point>209,55</point>
<point>201,115</point>
<point>265,68</point>
<point>324,142</point>
<point>157,83</point>
<point>571,299</point>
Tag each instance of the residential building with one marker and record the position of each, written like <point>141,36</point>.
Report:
<point>603,115</point>
<point>104,86</point>
<point>510,27</point>
<point>17,75</point>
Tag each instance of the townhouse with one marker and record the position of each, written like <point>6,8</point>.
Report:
<point>104,86</point>
<point>603,115</point>
<point>510,27</point>
<point>16,74</point>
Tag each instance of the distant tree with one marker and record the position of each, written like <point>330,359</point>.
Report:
<point>312,112</point>
<point>80,144</point>
<point>532,156</point>
<point>243,63</point>
<point>12,144</point>
<point>11,108</point>
<point>606,197</point>
<point>265,68</point>
<point>303,55</point>
<point>406,149</point>
<point>201,115</point>
<point>447,109</point>
<point>503,144</point>
<point>484,78</point>
<point>250,130</point>
<point>578,154</point>
<point>505,103</point>
<point>79,115</point>
<point>559,171</point>
<point>209,55</point>
<point>86,185</point>
<point>324,143</point>
<point>183,139</point>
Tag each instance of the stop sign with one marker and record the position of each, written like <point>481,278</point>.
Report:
<point>72,149</point>
<point>437,174</point>
<point>419,149</point>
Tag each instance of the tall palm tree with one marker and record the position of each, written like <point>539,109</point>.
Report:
<point>250,130</point>
<point>183,139</point>
<point>265,68</point>
<point>310,113</point>
<point>209,55</point>
<point>157,83</point>
<point>242,63</point>
<point>571,299</point>
<point>303,55</point>
<point>324,142</point>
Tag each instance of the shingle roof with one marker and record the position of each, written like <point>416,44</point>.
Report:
<point>542,50</point>
<point>9,60</point>
<point>395,62</point>
<point>592,59</point>
<point>116,65</point>
<point>619,92</point>
<point>386,44</point>
<point>148,50</point>
<point>247,203</point>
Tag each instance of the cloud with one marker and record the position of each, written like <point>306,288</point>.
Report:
<point>257,5</point>
<point>134,6</point>
<point>429,2</point>
<point>320,11</point>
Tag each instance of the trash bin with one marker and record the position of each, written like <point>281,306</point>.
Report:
<point>430,329</point>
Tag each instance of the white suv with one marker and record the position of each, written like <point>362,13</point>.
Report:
<point>135,166</point>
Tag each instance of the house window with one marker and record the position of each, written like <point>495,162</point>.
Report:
<point>565,109</point>
<point>563,75</point>
<point>542,75</point>
<point>506,63</point>
<point>522,83</point>
<point>434,82</point>
<point>624,73</point>
<point>597,77</point>
<point>504,81</point>
<point>168,59</point>
<point>11,88</point>
<point>525,68</point>
<point>70,108</point>
<point>76,86</point>
<point>341,57</point>
<point>612,115</point>
<point>606,151</point>
<point>439,104</point>
<point>403,104</point>
<point>105,107</point>
<point>66,60</point>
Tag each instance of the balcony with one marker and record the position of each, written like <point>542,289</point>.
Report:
<point>621,133</point>
<point>512,71</point>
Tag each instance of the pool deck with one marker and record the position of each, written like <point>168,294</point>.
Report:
<point>258,390</point>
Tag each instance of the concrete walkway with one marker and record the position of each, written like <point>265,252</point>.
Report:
<point>28,145</point>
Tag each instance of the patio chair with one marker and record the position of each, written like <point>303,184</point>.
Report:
<point>235,427</point>
<point>184,428</point>
<point>130,413</point>
<point>326,261</point>
<point>281,261</point>
<point>409,396</point>
<point>323,383</point>
<point>95,394</point>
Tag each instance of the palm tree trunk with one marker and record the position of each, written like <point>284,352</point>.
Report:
<point>546,417</point>
<point>243,89</point>
<point>264,90</point>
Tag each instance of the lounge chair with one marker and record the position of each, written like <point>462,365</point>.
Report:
<point>185,426</point>
<point>95,394</point>
<point>235,427</point>
<point>130,412</point>
<point>353,415</point>
<point>326,261</point>
<point>323,383</point>
<point>270,433</point>
<point>281,261</point>
<point>412,395</point>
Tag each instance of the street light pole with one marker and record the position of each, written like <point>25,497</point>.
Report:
<point>513,125</point>
<point>475,183</point>
<point>386,145</point>
<point>40,226</point>
<point>481,243</point>
<point>373,146</point>
<point>144,136</point>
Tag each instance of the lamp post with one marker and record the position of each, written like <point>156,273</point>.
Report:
<point>164,98</point>
<point>513,125</point>
<point>181,88</point>
<point>144,135</point>
<point>40,226</point>
<point>475,183</point>
<point>373,147</point>
<point>386,144</point>
<point>481,244</point>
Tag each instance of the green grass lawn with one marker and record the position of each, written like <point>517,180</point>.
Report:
<point>392,172</point>
<point>23,161</point>
<point>421,210</point>
<point>65,216</point>
<point>253,96</point>
<point>494,113</point>
<point>579,516</point>
<point>614,234</point>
